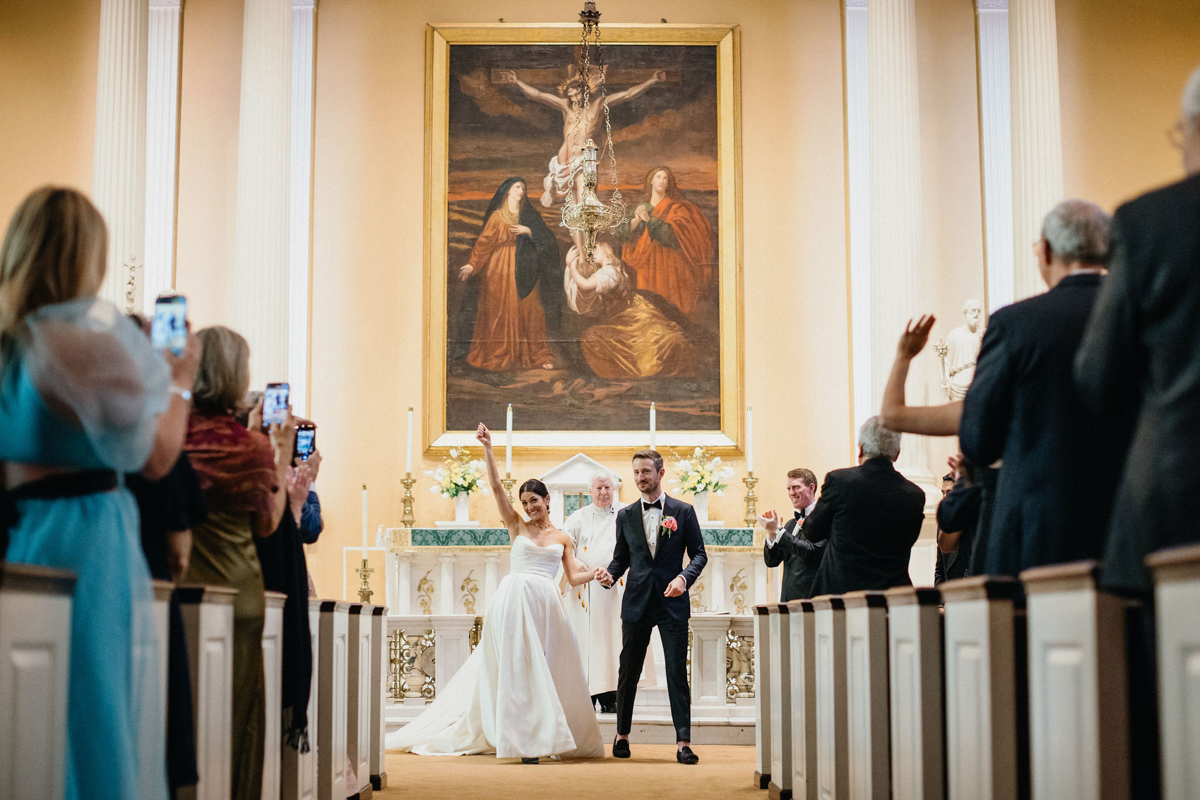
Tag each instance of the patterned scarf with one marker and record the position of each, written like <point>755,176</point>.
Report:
<point>236,467</point>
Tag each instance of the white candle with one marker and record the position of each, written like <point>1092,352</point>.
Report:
<point>408,455</point>
<point>508,443</point>
<point>364,545</point>
<point>653,424</point>
<point>750,438</point>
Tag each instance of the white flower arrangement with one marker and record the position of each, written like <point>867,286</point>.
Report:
<point>459,474</point>
<point>700,473</point>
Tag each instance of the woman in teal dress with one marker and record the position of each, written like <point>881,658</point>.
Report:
<point>83,399</point>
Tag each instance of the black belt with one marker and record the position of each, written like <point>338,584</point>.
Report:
<point>53,487</point>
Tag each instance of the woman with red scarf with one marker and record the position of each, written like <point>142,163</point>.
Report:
<point>669,242</point>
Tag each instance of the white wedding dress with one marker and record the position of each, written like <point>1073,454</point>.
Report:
<point>522,693</point>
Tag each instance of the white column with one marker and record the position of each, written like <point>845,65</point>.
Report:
<point>119,168</point>
<point>162,147</point>
<point>708,665</point>
<point>304,49</point>
<point>717,560</point>
<point>895,171</point>
<point>272,646</point>
<point>858,190</point>
<point>995,133</point>
<point>764,702</point>
<point>1037,133</point>
<point>264,131</point>
<point>401,604</point>
<point>445,585</point>
<point>760,580</point>
<point>491,572</point>
<point>451,642</point>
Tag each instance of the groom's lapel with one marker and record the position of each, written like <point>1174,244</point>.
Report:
<point>637,527</point>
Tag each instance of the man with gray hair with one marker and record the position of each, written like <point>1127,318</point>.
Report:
<point>871,516</point>
<point>1055,488</point>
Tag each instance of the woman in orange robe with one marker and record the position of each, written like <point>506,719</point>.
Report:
<point>506,295</point>
<point>669,242</point>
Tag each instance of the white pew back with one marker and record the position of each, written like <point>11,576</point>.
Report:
<point>299,780</point>
<point>833,771</point>
<point>803,692</point>
<point>208,624</point>
<point>272,645</point>
<point>358,695</point>
<point>915,681</point>
<point>331,709</point>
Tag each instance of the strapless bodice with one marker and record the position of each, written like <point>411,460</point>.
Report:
<point>529,558</point>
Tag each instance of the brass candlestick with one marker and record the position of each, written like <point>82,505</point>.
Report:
<point>751,500</point>
<point>407,518</point>
<point>508,480</point>
<point>364,588</point>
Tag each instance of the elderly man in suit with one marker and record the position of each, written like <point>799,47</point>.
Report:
<point>1060,464</point>
<point>871,516</point>
<point>799,556</point>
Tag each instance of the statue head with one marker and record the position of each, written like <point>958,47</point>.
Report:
<point>973,311</point>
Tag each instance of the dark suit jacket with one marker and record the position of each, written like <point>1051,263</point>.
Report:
<point>871,515</point>
<point>649,577</point>
<point>1054,492</point>
<point>958,513</point>
<point>800,558</point>
<point>1139,364</point>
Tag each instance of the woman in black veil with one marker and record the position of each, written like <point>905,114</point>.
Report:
<point>514,286</point>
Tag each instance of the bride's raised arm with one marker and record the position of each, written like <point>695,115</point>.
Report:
<point>507,513</point>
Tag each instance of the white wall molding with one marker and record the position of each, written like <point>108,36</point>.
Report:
<point>858,175</point>
<point>162,146</point>
<point>304,48</point>
<point>995,113</point>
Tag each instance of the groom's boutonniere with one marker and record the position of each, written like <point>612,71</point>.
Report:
<point>668,526</point>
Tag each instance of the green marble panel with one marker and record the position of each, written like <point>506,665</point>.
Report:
<point>460,537</point>
<point>728,537</point>
<point>574,502</point>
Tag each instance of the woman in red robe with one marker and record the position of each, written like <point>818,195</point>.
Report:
<point>669,242</point>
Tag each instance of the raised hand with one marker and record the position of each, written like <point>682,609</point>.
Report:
<point>484,436</point>
<point>769,521</point>
<point>915,336</point>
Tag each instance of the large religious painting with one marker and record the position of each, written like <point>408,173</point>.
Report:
<point>515,316</point>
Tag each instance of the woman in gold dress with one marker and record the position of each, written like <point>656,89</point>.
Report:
<point>633,338</point>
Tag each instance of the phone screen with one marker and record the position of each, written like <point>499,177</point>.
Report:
<point>275,404</point>
<point>168,330</point>
<point>306,442</point>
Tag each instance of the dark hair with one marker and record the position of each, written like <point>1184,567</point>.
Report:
<point>650,455</point>
<point>535,486</point>
<point>948,478</point>
<point>806,475</point>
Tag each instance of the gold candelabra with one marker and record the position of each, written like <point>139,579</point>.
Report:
<point>364,588</point>
<point>508,480</point>
<point>751,500</point>
<point>407,518</point>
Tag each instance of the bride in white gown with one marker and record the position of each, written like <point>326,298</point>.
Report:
<point>522,693</point>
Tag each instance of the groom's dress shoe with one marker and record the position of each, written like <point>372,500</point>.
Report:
<point>529,761</point>
<point>621,748</point>
<point>684,755</point>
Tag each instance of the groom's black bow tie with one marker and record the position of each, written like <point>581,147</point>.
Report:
<point>798,514</point>
<point>647,506</point>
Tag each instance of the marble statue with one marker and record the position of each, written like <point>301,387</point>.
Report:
<point>960,350</point>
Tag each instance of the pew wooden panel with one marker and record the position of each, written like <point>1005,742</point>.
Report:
<point>379,678</point>
<point>829,637</point>
<point>983,670</point>
<point>208,625</point>
<point>915,683</point>
<point>779,674</point>
<point>764,705</point>
<point>1177,597</point>
<point>299,781</point>
<point>867,730</point>
<point>801,660</point>
<point>358,699</point>
<point>272,645</point>
<point>35,659</point>
<point>331,697</point>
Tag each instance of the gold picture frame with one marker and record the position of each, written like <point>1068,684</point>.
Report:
<point>729,437</point>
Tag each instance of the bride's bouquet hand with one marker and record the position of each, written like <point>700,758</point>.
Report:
<point>484,436</point>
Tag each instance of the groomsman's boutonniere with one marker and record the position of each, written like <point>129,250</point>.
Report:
<point>668,526</point>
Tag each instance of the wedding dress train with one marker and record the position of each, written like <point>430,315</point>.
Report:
<point>522,693</point>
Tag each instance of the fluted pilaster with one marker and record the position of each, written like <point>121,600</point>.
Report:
<point>858,179</point>
<point>995,118</point>
<point>261,253</point>
<point>304,14</point>
<point>162,147</point>
<point>1036,132</point>
<point>119,168</point>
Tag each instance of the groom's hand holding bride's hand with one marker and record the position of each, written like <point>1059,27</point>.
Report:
<point>676,587</point>
<point>605,579</point>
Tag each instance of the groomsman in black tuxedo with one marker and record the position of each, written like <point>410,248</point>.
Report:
<point>652,536</point>
<point>799,556</point>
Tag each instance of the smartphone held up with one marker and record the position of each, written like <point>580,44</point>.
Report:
<point>306,441</point>
<point>168,329</point>
<point>275,404</point>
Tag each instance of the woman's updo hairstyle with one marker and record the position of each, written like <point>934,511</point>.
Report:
<point>535,486</point>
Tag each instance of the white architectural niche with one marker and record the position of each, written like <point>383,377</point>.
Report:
<point>572,478</point>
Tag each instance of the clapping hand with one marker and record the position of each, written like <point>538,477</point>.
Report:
<point>913,340</point>
<point>770,522</point>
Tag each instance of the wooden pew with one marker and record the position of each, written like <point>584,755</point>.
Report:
<point>829,639</point>
<point>986,725</point>
<point>272,645</point>
<point>779,674</point>
<point>803,691</point>
<point>379,677</point>
<point>867,731</point>
<point>35,658</point>
<point>358,698</point>
<point>331,697</point>
<point>1176,600</point>
<point>208,625</point>
<point>764,702</point>
<point>299,781</point>
<point>916,686</point>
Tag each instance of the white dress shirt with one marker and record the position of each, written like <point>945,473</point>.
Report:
<point>651,519</point>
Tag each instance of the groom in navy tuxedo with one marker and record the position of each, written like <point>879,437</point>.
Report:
<point>652,536</point>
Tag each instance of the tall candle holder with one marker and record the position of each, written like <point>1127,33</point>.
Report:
<point>751,500</point>
<point>407,518</point>
<point>508,480</point>
<point>364,588</point>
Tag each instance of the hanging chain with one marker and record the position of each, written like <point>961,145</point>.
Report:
<point>612,153</point>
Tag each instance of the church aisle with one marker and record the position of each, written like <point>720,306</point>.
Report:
<point>724,773</point>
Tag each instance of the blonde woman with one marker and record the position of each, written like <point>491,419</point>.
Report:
<point>84,399</point>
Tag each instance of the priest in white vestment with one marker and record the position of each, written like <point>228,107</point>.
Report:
<point>595,612</point>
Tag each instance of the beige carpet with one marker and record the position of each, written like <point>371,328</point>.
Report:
<point>724,773</point>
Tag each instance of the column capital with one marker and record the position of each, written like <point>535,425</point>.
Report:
<point>991,5</point>
<point>491,558</point>
<point>856,3</point>
<point>304,3</point>
<point>447,557</point>
<point>166,3</point>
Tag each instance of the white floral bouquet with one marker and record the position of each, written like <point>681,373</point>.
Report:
<point>459,474</point>
<point>702,473</point>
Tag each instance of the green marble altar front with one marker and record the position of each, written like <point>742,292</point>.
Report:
<point>498,537</point>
